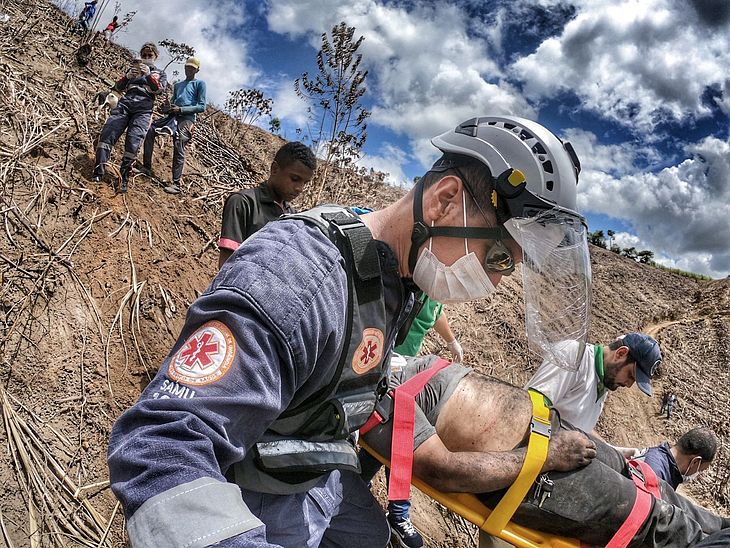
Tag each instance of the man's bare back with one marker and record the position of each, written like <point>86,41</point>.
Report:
<point>498,415</point>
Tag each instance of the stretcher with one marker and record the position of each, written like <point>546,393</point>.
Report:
<point>473,510</point>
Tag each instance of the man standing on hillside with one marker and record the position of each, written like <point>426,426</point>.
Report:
<point>579,395</point>
<point>141,85</point>
<point>682,462</point>
<point>86,16</point>
<point>246,435</point>
<point>189,98</point>
<point>248,210</point>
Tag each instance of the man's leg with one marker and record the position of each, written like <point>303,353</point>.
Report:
<point>359,521</point>
<point>180,141</point>
<point>338,511</point>
<point>592,503</point>
<point>139,123</point>
<point>149,143</point>
<point>721,539</point>
<point>110,133</point>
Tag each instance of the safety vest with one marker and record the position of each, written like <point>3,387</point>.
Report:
<point>318,435</point>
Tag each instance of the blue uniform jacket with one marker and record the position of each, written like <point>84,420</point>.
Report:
<point>661,460</point>
<point>266,334</point>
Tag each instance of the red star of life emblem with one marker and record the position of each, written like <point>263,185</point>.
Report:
<point>205,357</point>
<point>198,351</point>
<point>369,351</point>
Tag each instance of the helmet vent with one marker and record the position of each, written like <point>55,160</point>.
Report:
<point>538,148</point>
<point>509,126</point>
<point>549,185</point>
<point>525,135</point>
<point>548,166</point>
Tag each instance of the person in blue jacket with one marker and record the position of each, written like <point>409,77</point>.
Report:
<point>86,16</point>
<point>189,98</point>
<point>682,462</point>
<point>141,85</point>
<point>214,452</point>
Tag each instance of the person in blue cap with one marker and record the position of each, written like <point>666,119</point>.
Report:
<point>579,395</point>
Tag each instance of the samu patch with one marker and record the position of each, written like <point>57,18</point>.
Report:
<point>369,351</point>
<point>205,357</point>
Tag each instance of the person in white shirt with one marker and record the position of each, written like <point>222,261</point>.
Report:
<point>579,395</point>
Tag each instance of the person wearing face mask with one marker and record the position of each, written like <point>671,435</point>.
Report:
<point>141,85</point>
<point>286,355</point>
<point>579,395</point>
<point>682,462</point>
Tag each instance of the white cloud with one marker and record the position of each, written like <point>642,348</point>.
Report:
<point>639,62</point>
<point>389,160</point>
<point>680,212</point>
<point>212,28</point>
<point>430,74</point>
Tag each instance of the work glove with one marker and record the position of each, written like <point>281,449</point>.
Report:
<point>457,352</point>
<point>133,72</point>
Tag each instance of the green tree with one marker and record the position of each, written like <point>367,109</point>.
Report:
<point>646,256</point>
<point>597,238</point>
<point>629,253</point>
<point>275,125</point>
<point>610,234</point>
<point>335,93</point>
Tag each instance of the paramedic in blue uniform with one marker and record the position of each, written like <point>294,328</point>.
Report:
<point>266,335</point>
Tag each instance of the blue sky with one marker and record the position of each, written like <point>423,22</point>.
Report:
<point>640,87</point>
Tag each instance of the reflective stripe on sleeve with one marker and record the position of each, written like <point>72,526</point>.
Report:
<point>191,515</point>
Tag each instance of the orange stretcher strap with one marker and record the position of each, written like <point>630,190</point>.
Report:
<point>647,485</point>
<point>537,451</point>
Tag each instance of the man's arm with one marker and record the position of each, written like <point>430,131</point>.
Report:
<point>442,327</point>
<point>233,225</point>
<point>201,99</point>
<point>236,366</point>
<point>482,472</point>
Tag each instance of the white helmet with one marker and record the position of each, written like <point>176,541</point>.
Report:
<point>535,176</point>
<point>532,168</point>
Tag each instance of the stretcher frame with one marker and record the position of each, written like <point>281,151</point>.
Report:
<point>473,510</point>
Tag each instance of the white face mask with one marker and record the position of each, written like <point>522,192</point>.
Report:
<point>465,280</point>
<point>149,62</point>
<point>691,477</point>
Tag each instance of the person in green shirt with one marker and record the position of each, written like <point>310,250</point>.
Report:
<point>433,316</point>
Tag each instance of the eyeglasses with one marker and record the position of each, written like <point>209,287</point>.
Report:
<point>499,258</point>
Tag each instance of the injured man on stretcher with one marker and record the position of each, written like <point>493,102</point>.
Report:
<point>471,434</point>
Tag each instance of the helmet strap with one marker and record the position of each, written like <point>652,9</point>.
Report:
<point>421,231</point>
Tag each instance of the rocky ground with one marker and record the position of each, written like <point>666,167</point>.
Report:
<point>94,287</point>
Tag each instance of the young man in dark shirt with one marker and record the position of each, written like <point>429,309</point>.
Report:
<point>248,210</point>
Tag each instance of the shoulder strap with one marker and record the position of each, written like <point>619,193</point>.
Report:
<point>362,266</point>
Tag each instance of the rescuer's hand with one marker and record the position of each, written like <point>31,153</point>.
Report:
<point>568,450</point>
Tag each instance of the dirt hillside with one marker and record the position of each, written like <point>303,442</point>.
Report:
<point>94,288</point>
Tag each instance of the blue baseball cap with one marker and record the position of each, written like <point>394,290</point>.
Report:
<point>644,350</point>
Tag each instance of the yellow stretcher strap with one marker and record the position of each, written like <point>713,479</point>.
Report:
<point>472,509</point>
<point>537,451</point>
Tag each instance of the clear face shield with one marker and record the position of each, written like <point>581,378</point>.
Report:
<point>556,275</point>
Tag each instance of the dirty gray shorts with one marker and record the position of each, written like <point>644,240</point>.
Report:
<point>429,401</point>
